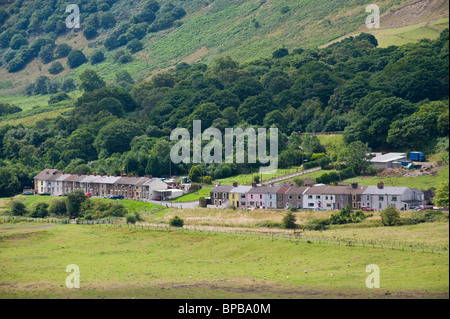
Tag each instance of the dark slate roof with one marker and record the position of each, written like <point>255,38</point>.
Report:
<point>222,189</point>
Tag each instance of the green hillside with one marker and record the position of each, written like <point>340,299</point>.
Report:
<point>195,30</point>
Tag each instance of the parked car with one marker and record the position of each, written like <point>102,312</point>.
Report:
<point>62,195</point>
<point>45,194</point>
<point>158,198</point>
<point>28,193</point>
<point>108,196</point>
<point>88,195</point>
<point>367,209</point>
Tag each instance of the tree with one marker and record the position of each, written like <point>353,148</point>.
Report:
<point>9,184</point>
<point>116,136</point>
<point>195,174</point>
<point>176,222</point>
<point>90,32</point>
<point>40,211</point>
<point>46,53</point>
<point>135,46</point>
<point>91,81</point>
<point>17,41</point>
<point>289,221</point>
<point>442,196</point>
<point>357,156</point>
<point>74,201</point>
<point>18,208</point>
<point>97,57</point>
<point>56,68</point>
<point>62,50</point>
<point>299,181</point>
<point>58,207</point>
<point>76,58</point>
<point>390,216</point>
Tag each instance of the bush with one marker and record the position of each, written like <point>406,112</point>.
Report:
<point>58,98</point>
<point>62,50</point>
<point>269,224</point>
<point>18,208</point>
<point>135,46</point>
<point>55,68</point>
<point>58,207</point>
<point>176,222</point>
<point>289,221</point>
<point>317,224</point>
<point>90,32</point>
<point>131,219</point>
<point>76,58</point>
<point>40,211</point>
<point>207,180</point>
<point>390,216</point>
<point>97,57</point>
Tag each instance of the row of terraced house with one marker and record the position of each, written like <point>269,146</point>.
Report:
<point>316,197</point>
<point>55,183</point>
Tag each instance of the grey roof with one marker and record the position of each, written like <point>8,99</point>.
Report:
<point>62,178</point>
<point>241,189</point>
<point>374,190</point>
<point>47,174</point>
<point>88,179</point>
<point>222,189</point>
<point>328,190</point>
<point>390,157</point>
<point>296,190</point>
<point>151,181</point>
<point>106,179</point>
<point>264,190</point>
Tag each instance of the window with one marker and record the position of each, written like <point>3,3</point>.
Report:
<point>280,197</point>
<point>368,197</point>
<point>310,197</point>
<point>331,197</point>
<point>260,196</point>
<point>394,198</point>
<point>354,205</point>
<point>381,198</point>
<point>215,195</point>
<point>311,205</point>
<point>290,196</point>
<point>251,196</point>
<point>318,197</point>
<point>328,205</point>
<point>379,205</point>
<point>299,197</point>
<point>326,197</point>
<point>342,198</point>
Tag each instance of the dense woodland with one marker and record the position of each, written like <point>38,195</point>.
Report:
<point>392,99</point>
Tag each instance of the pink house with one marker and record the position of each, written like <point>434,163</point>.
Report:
<point>256,197</point>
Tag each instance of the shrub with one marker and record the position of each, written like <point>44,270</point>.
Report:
<point>207,180</point>
<point>40,211</point>
<point>62,50</point>
<point>289,221</point>
<point>135,46</point>
<point>176,222</point>
<point>131,219</point>
<point>390,216</point>
<point>18,208</point>
<point>97,57</point>
<point>317,224</point>
<point>58,207</point>
<point>269,224</point>
<point>76,58</point>
<point>58,98</point>
<point>55,68</point>
<point>90,32</point>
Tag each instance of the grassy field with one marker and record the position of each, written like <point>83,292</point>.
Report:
<point>246,179</point>
<point>204,192</point>
<point>131,205</point>
<point>423,182</point>
<point>134,263</point>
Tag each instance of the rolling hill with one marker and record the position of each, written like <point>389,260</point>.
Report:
<point>244,29</point>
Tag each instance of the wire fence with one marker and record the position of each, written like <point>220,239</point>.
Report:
<point>295,237</point>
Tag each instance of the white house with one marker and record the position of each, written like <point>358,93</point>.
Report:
<point>380,197</point>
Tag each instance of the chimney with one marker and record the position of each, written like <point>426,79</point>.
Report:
<point>254,184</point>
<point>115,175</point>
<point>380,185</point>
<point>88,174</point>
<point>355,185</point>
<point>235,184</point>
<point>109,175</point>
<point>95,173</point>
<point>101,174</point>
<point>79,173</point>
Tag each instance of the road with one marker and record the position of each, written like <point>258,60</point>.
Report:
<point>193,204</point>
